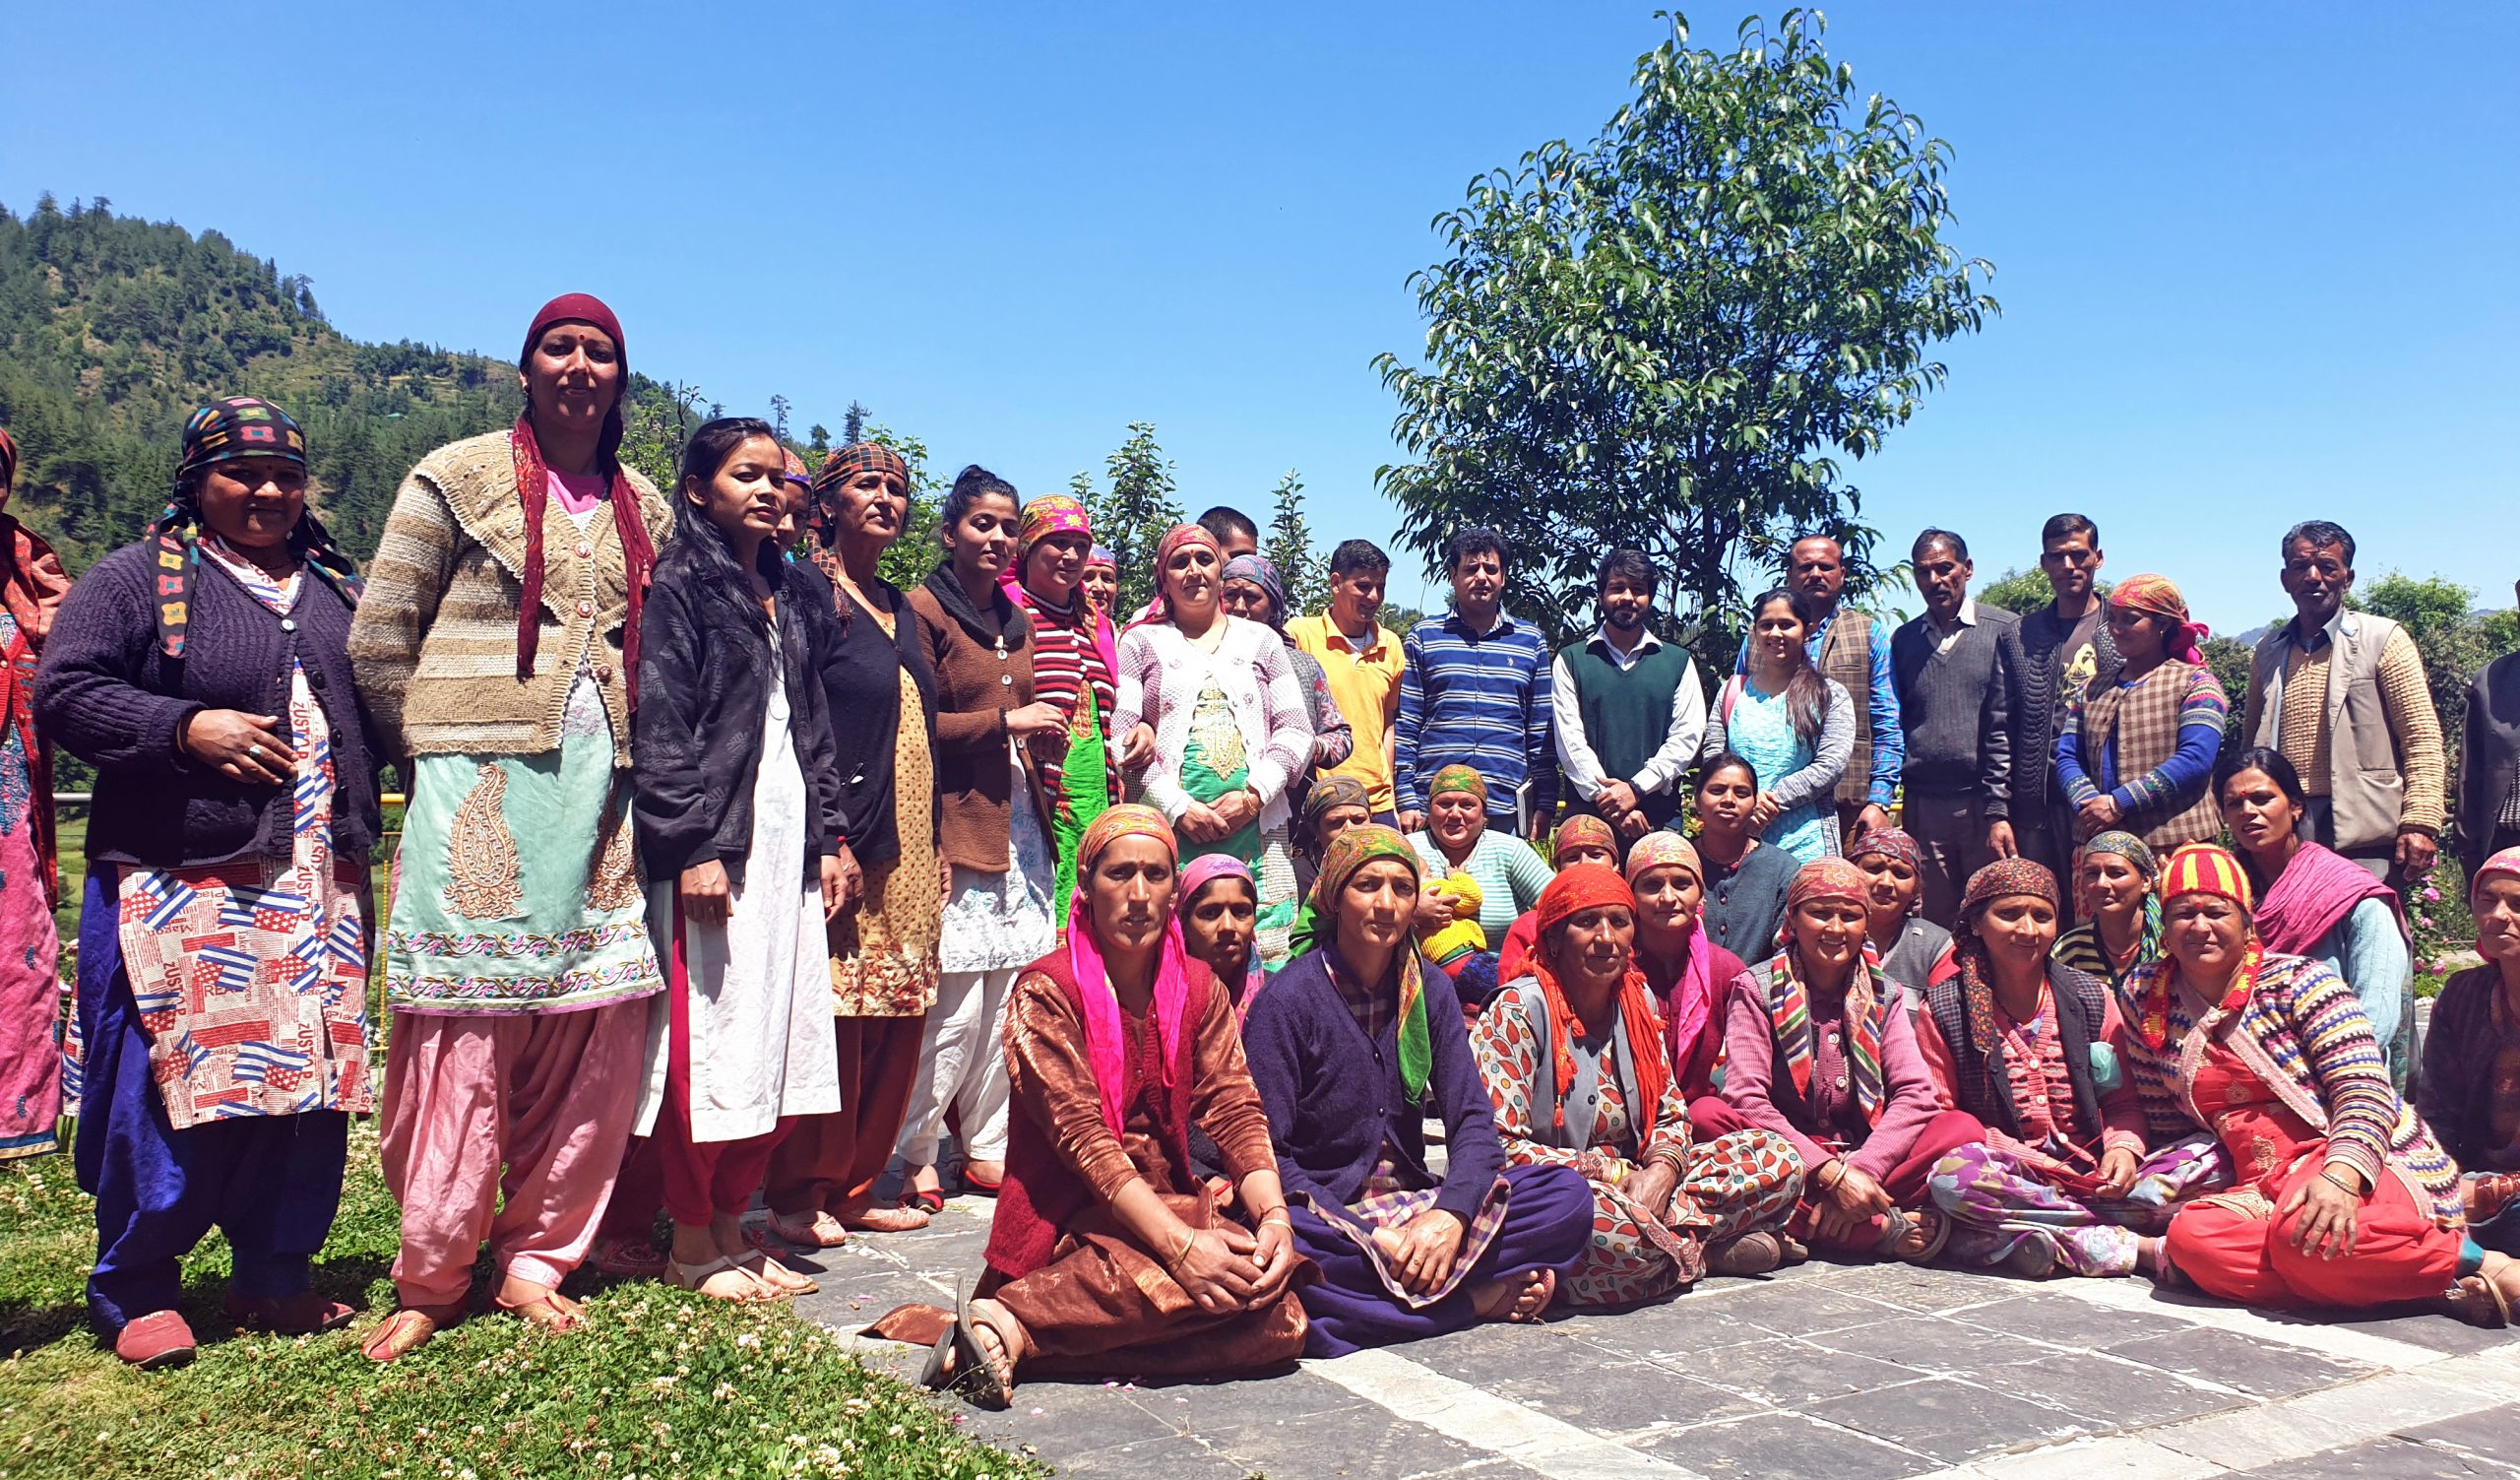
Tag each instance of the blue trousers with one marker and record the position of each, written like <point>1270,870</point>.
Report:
<point>1549,1221</point>
<point>2499,1232</point>
<point>271,1183</point>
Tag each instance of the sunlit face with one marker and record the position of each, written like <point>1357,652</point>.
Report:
<point>1374,906</point>
<point>1355,598</point>
<point>1190,580</point>
<point>572,379</point>
<point>252,502</point>
<point>983,541</point>
<point>2137,634</point>
<point>1724,798</point>
<point>2070,564</point>
<point>1217,927</point>
<point>2111,886</point>
<point>1102,586</point>
<point>1942,579</point>
<point>1587,851</point>
<point>1130,893</point>
<point>2256,811</point>
<point>2496,905</point>
<point>1830,931</point>
<point>1894,885</point>
<point>1337,820</point>
<point>1249,600</point>
<point>2316,578</point>
<point>1667,899</point>
<point>1817,567</point>
<point>749,494</point>
<point>2019,930</point>
<point>2206,933</point>
<point>1775,632</point>
<point>1592,945</point>
<point>1456,818</point>
<point>871,505</point>
<point>1626,602</point>
<point>1055,564</point>
<point>1479,581</point>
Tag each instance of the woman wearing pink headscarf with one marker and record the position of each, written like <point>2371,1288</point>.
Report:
<point>31,586</point>
<point>2139,755</point>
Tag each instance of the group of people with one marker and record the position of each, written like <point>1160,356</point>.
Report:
<point>730,873</point>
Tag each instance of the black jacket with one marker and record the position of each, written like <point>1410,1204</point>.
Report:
<point>861,671</point>
<point>704,683</point>
<point>108,696</point>
<point>2488,754</point>
<point>2041,719</point>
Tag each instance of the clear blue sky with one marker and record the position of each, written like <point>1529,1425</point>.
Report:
<point>2257,262</point>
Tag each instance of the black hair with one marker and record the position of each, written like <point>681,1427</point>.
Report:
<point>711,446</point>
<point>1478,539</point>
<point>2067,526</point>
<point>1225,521</point>
<point>971,486</point>
<point>1630,563</point>
<point>701,458</point>
<point>2275,763</point>
<point>1932,537</point>
<point>1726,760</point>
<point>1353,555</point>
<point>1806,694</point>
<point>2318,534</point>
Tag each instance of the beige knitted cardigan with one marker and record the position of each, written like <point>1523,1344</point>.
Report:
<point>434,641</point>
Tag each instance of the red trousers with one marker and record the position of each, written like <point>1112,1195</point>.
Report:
<point>831,1163</point>
<point>703,1180</point>
<point>2246,1254</point>
<point>1906,1182</point>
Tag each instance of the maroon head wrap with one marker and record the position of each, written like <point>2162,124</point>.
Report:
<point>533,483</point>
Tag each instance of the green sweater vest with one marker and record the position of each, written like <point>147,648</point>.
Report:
<point>1626,715</point>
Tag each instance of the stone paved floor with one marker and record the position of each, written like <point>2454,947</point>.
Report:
<point>1852,1372</point>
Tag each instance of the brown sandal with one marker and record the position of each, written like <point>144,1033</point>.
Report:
<point>888,1220</point>
<point>2478,1301</point>
<point>814,1230</point>
<point>409,1329</point>
<point>1746,1254</point>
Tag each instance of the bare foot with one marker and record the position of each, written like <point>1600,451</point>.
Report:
<point>1521,1301</point>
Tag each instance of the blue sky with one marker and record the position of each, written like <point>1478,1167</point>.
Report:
<point>2255,262</point>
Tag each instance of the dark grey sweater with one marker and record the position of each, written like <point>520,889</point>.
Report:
<point>1957,708</point>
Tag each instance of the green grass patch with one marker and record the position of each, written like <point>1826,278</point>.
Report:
<point>658,1384</point>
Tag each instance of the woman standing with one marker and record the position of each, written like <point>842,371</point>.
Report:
<point>1101,581</point>
<point>1796,728</point>
<point>2313,902</point>
<point>497,648</point>
<point>1908,945</point>
<point>1746,878</point>
<point>881,697</point>
<point>2344,1199</point>
<point>31,586</point>
<point>1254,592</point>
<point>2471,1081</point>
<point>2121,927</point>
<point>1509,873</point>
<point>1574,1060</point>
<point>1347,1046</point>
<point>2067,1177</point>
<point>2138,756</point>
<point>1817,1049</point>
<point>745,858</point>
<point>1074,661</point>
<point>1229,721</point>
<point>222,942</point>
<point>1684,969</point>
<point>994,832</point>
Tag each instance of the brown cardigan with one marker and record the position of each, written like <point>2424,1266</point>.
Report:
<point>975,785</point>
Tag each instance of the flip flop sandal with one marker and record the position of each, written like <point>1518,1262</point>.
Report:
<point>772,1272</point>
<point>959,1363</point>
<point>1899,1224</point>
<point>991,1380</point>
<point>929,1200</point>
<point>2476,1299</point>
<point>693,1276</point>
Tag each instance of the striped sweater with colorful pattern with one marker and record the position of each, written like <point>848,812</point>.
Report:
<point>2306,1026</point>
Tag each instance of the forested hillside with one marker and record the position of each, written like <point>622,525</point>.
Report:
<point>112,329</point>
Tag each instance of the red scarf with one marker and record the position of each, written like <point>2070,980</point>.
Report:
<point>1585,886</point>
<point>638,555</point>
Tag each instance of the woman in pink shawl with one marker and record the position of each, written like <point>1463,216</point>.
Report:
<point>2316,902</point>
<point>31,586</point>
<point>1685,969</point>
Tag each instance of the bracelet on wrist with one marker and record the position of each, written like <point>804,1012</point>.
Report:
<point>1190,1240</point>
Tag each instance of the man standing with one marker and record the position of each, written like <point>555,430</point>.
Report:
<point>2065,645</point>
<point>1236,533</point>
<point>1958,670</point>
<point>1848,647</point>
<point>1361,659</point>
<point>1628,708</point>
<point>2489,763</point>
<point>2343,695</point>
<point>1473,690</point>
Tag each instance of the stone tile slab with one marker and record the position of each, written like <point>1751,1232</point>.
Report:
<point>2259,1369</point>
<point>1787,1444</point>
<point>1951,1420</point>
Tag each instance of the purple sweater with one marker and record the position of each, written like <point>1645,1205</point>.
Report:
<point>1755,1084</point>
<point>107,695</point>
<point>1335,1100</point>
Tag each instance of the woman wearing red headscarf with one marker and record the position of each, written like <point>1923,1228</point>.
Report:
<point>2139,754</point>
<point>31,586</point>
<point>1818,1048</point>
<point>1575,1063</point>
<point>496,648</point>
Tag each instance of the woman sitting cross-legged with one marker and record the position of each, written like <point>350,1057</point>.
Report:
<point>2067,1177</point>
<point>1105,1253</point>
<point>1575,1064</point>
<point>2344,1199</point>
<point>2469,1091</point>
<point>1582,838</point>
<point>1685,971</point>
<point>1818,1050</point>
<point>1346,1045</point>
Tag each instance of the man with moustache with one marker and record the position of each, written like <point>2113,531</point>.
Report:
<point>2067,647</point>
<point>1958,670</point>
<point>2342,694</point>
<point>1627,707</point>
<point>1360,657</point>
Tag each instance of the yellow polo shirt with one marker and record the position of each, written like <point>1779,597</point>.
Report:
<point>1366,682</point>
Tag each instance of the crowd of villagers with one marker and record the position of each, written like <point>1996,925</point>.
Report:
<point>733,876</point>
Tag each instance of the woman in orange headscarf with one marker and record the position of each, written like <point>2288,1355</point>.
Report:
<point>1576,1066</point>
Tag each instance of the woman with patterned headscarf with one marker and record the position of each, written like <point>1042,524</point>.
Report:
<point>2344,1199</point>
<point>1684,969</point>
<point>31,586</point>
<point>1910,948</point>
<point>1232,735</point>
<point>1578,838</point>
<point>222,942</point>
<point>1100,580</point>
<point>1075,659</point>
<point>1347,1046</point>
<point>1456,840</point>
<point>1254,592</point>
<point>498,649</point>
<point>1106,1255</point>
<point>2068,1177</point>
<point>1819,1049</point>
<point>2138,756</point>
<point>2121,927</point>
<point>1574,1059</point>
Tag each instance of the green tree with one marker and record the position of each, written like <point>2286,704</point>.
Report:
<point>1659,338</point>
<point>1303,572</point>
<point>913,557</point>
<point>2020,592</point>
<point>1132,513</point>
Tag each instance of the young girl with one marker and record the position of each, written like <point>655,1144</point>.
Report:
<point>739,811</point>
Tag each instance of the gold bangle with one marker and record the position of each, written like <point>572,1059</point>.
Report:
<point>1189,1237</point>
<point>2328,1174</point>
